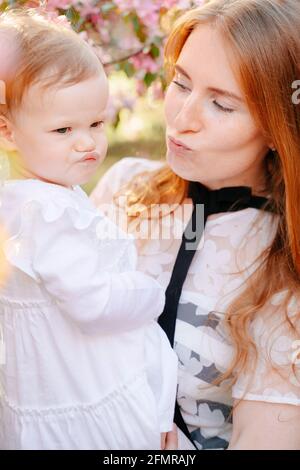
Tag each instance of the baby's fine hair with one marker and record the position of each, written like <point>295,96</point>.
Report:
<point>46,52</point>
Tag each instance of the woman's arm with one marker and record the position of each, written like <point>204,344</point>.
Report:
<point>265,426</point>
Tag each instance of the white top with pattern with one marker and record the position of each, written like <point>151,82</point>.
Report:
<point>231,242</point>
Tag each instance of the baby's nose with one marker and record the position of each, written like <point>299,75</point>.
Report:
<point>85,143</point>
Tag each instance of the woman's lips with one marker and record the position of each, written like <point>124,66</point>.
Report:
<point>177,146</point>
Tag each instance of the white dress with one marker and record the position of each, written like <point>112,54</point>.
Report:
<point>230,243</point>
<point>86,365</point>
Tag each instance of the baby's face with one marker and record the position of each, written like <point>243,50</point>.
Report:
<point>59,132</point>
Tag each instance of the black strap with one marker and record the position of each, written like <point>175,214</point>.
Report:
<point>222,200</point>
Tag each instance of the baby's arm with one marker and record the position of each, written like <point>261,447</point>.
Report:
<point>76,269</point>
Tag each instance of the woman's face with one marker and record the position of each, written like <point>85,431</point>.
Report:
<point>211,135</point>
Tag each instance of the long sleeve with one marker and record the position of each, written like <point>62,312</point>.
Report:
<point>87,265</point>
<point>162,370</point>
<point>276,377</point>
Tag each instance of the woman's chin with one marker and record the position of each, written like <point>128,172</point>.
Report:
<point>178,166</point>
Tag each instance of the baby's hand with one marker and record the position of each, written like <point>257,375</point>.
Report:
<point>169,440</point>
<point>163,436</point>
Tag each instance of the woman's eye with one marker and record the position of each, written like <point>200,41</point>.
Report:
<point>180,85</point>
<point>63,130</point>
<point>223,108</point>
<point>98,124</point>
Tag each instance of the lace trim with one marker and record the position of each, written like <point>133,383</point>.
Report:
<point>64,410</point>
<point>16,304</point>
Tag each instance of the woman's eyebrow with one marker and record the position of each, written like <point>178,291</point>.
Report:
<point>179,69</point>
<point>221,92</point>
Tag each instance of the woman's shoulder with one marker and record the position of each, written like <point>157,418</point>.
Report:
<point>120,174</point>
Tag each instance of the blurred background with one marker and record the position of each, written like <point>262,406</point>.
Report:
<point>129,37</point>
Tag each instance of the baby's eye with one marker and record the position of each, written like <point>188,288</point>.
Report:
<point>97,124</point>
<point>63,130</point>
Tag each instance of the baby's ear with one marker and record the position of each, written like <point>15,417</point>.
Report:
<point>6,133</point>
<point>2,92</point>
<point>5,127</point>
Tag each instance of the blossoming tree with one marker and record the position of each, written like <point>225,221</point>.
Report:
<point>128,34</point>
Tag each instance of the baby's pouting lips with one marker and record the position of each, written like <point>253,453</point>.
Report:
<point>90,157</point>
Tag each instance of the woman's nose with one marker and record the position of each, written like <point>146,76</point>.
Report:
<point>189,117</point>
<point>85,143</point>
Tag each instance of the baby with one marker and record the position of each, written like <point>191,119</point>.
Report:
<point>86,366</point>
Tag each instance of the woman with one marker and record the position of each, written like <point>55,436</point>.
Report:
<point>231,122</point>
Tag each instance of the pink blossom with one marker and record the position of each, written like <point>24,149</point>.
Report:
<point>61,19</point>
<point>130,42</point>
<point>169,3</point>
<point>104,30</point>
<point>145,10</point>
<point>140,88</point>
<point>148,12</point>
<point>55,4</point>
<point>181,4</point>
<point>88,8</point>
<point>111,109</point>
<point>185,4</point>
<point>126,5</point>
<point>116,102</point>
<point>150,19</point>
<point>144,62</point>
<point>156,91</point>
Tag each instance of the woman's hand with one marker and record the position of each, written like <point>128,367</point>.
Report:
<point>169,440</point>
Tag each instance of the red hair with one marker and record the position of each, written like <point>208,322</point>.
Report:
<point>263,35</point>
